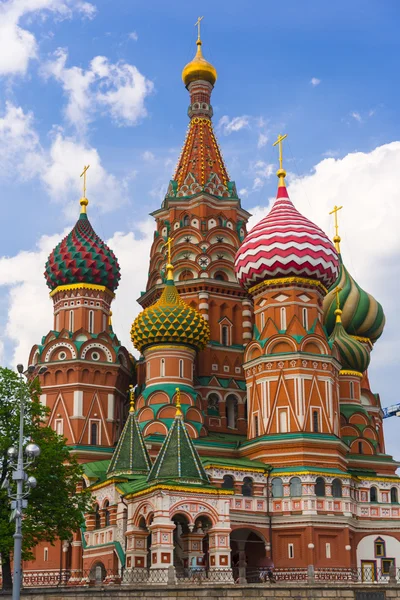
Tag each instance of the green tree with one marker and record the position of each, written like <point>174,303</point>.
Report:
<point>55,509</point>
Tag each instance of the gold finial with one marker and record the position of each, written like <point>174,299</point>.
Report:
<point>110,320</point>
<point>197,24</point>
<point>281,171</point>
<point>131,399</point>
<point>178,405</point>
<point>170,267</point>
<point>337,238</point>
<point>338,311</point>
<point>84,201</point>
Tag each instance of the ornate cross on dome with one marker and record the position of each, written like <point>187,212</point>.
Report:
<point>337,238</point>
<point>178,403</point>
<point>279,141</point>
<point>197,24</point>
<point>168,245</point>
<point>83,174</point>
<point>131,399</point>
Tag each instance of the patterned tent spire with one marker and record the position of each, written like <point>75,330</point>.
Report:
<point>178,458</point>
<point>130,456</point>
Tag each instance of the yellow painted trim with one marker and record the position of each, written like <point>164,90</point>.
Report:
<point>82,286</point>
<point>393,479</point>
<point>287,280</point>
<point>180,488</point>
<point>251,469</point>
<point>366,340</point>
<point>351,373</point>
<point>172,347</point>
<point>103,484</point>
<point>334,475</point>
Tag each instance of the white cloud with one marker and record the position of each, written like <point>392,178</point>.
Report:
<point>228,126</point>
<point>263,172</point>
<point>331,153</point>
<point>356,116</point>
<point>314,81</point>
<point>148,156</point>
<point>262,140</point>
<point>18,45</point>
<point>133,36</point>
<point>243,192</point>
<point>118,89</point>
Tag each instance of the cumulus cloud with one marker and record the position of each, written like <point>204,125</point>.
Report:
<point>356,116</point>
<point>133,36</point>
<point>228,125</point>
<point>117,89</point>
<point>18,45</point>
<point>314,81</point>
<point>148,156</point>
<point>262,172</point>
<point>262,140</point>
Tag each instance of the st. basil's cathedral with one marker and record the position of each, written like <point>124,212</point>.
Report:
<point>246,433</point>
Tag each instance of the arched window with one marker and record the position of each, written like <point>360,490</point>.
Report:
<point>256,428</point>
<point>305,319</point>
<point>351,389</point>
<point>94,433</point>
<point>162,367</point>
<point>186,275</point>
<point>315,421</point>
<point>225,335</point>
<point>394,498</point>
<point>247,487</point>
<point>91,321</point>
<point>380,547</point>
<point>220,221</point>
<point>283,318</point>
<point>97,520</point>
<point>277,487</point>
<point>320,486</point>
<point>71,320</point>
<point>220,276</point>
<point>262,320</point>
<point>295,487</point>
<point>186,220</point>
<point>213,405</point>
<point>373,494</point>
<point>231,411</point>
<point>106,513</point>
<point>337,488</point>
<point>360,447</point>
<point>228,482</point>
<point>181,368</point>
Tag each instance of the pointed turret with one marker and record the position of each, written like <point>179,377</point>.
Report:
<point>178,458</point>
<point>130,456</point>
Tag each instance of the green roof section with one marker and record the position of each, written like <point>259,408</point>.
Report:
<point>96,470</point>
<point>350,409</point>
<point>236,463</point>
<point>130,455</point>
<point>178,458</point>
<point>293,436</point>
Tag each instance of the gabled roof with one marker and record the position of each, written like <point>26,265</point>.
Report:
<point>130,456</point>
<point>178,458</point>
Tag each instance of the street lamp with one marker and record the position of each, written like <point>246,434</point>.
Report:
<point>24,483</point>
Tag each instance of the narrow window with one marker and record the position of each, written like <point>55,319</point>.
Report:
<point>380,547</point>
<point>327,550</point>
<point>106,514</point>
<point>97,518</point>
<point>373,494</point>
<point>256,432</point>
<point>262,321</point>
<point>225,335</point>
<point>59,427</point>
<point>393,495</point>
<point>305,319</point>
<point>360,448</point>
<point>46,554</point>
<point>277,487</point>
<point>94,433</point>
<point>247,487</point>
<point>291,550</point>
<point>283,427</point>
<point>148,370</point>
<point>283,318</point>
<point>185,221</point>
<point>228,483</point>
<point>91,321</point>
<point>351,389</point>
<point>162,367</point>
<point>181,368</point>
<point>295,487</point>
<point>320,487</point>
<point>337,488</point>
<point>58,322</point>
<point>71,320</point>
<point>315,421</point>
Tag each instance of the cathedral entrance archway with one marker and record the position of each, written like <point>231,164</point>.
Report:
<point>247,552</point>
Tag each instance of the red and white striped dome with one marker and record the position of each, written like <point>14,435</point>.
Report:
<point>286,244</point>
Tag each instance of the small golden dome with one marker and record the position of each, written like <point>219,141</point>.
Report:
<point>199,68</point>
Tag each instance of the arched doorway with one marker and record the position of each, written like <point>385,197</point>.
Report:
<point>181,529</point>
<point>97,574</point>
<point>231,407</point>
<point>248,554</point>
<point>143,525</point>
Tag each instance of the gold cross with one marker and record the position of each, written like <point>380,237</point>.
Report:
<point>337,291</point>
<point>197,24</point>
<point>178,402</point>
<point>168,245</point>
<point>337,238</point>
<point>131,399</point>
<point>279,141</point>
<point>83,174</point>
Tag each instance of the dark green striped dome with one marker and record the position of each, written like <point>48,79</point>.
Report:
<point>362,315</point>
<point>354,356</point>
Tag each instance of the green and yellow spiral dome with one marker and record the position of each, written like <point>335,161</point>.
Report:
<point>354,355</point>
<point>170,320</point>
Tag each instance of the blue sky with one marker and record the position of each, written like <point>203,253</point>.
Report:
<point>325,73</point>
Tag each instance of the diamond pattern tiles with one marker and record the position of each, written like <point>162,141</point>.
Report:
<point>82,257</point>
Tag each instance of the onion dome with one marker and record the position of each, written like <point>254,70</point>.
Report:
<point>286,244</point>
<point>354,356</point>
<point>170,320</point>
<point>362,315</point>
<point>199,69</point>
<point>82,257</point>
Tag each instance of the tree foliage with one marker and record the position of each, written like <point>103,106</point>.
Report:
<point>55,509</point>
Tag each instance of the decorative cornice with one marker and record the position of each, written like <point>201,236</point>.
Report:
<point>288,281</point>
<point>350,373</point>
<point>106,483</point>
<point>228,468</point>
<point>180,488</point>
<point>82,286</point>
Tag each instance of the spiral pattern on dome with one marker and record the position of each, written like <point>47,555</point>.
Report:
<point>286,244</point>
<point>82,257</point>
<point>170,320</point>
<point>362,315</point>
<point>354,356</point>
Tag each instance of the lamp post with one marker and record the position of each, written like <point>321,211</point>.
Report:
<point>24,484</point>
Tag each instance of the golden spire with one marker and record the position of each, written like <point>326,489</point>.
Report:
<point>178,405</point>
<point>337,239</point>
<point>338,311</point>
<point>281,173</point>
<point>197,24</point>
<point>84,201</point>
<point>131,399</point>
<point>170,266</point>
<point>110,320</point>
<point>199,68</point>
